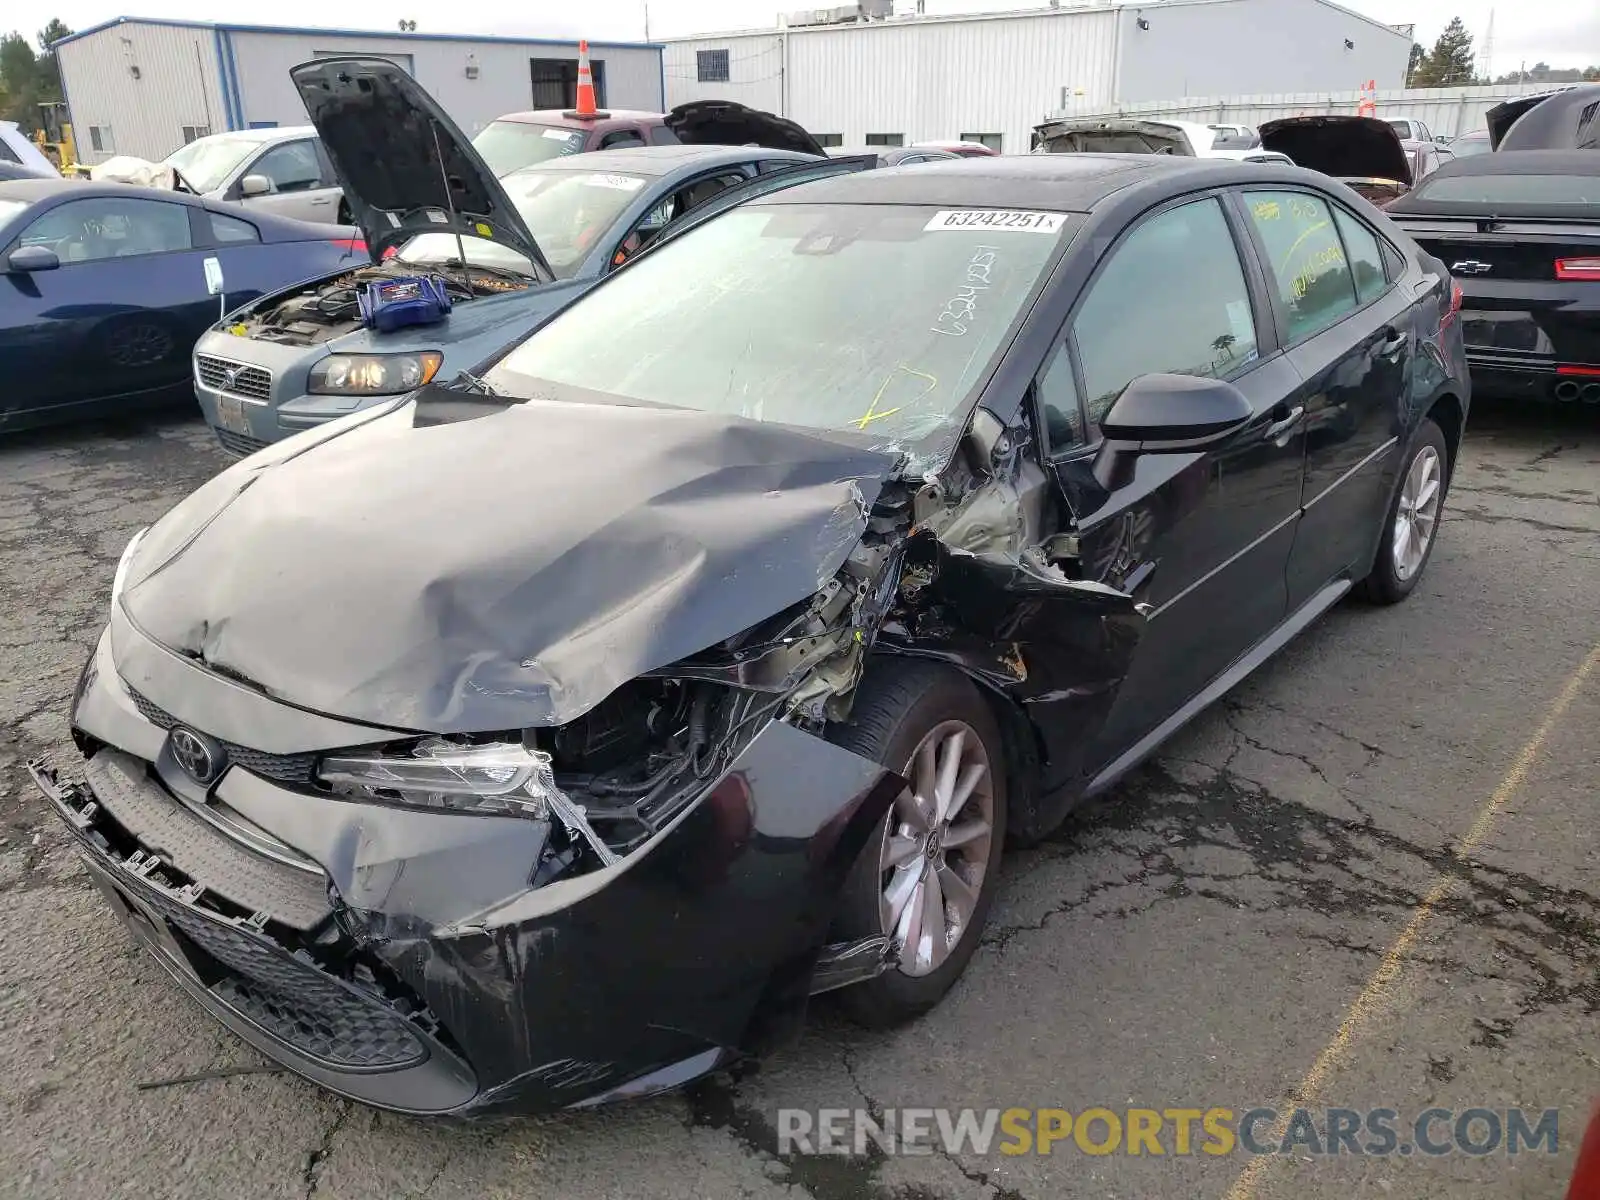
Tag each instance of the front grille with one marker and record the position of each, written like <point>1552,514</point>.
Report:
<point>349,1025</point>
<point>239,379</point>
<point>238,444</point>
<point>284,768</point>
<point>294,1000</point>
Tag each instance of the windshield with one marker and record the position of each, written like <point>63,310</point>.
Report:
<point>511,145</point>
<point>1576,191</point>
<point>206,163</point>
<point>878,319</point>
<point>568,212</point>
<point>1403,128</point>
<point>1469,144</point>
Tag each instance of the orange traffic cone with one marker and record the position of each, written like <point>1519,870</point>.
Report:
<point>586,104</point>
<point>1585,1183</point>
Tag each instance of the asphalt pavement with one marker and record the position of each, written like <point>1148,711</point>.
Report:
<point>1367,879</point>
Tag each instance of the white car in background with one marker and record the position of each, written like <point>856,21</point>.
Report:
<point>1126,135</point>
<point>281,171</point>
<point>20,158</point>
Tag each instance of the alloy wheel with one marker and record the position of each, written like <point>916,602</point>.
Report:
<point>140,346</point>
<point>936,846</point>
<point>1417,513</point>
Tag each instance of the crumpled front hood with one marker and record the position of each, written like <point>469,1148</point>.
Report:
<point>1342,147</point>
<point>463,564</point>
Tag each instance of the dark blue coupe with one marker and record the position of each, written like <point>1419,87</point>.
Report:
<point>104,289</point>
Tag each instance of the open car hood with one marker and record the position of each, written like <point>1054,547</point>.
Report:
<point>462,564</point>
<point>729,123</point>
<point>1346,148</point>
<point>1116,136</point>
<point>1564,119</point>
<point>405,167</point>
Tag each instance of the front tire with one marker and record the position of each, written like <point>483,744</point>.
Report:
<point>1410,529</point>
<point>927,875</point>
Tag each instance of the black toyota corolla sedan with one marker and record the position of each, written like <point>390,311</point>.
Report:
<point>551,737</point>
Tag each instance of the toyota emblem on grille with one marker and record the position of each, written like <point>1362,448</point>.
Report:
<point>200,757</point>
<point>230,377</point>
<point>1470,266</point>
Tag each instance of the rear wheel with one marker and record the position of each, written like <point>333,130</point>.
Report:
<point>1413,519</point>
<point>926,877</point>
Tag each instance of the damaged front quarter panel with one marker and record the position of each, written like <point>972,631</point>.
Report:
<point>979,590</point>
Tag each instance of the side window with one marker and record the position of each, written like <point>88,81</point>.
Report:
<point>111,227</point>
<point>684,200</point>
<point>1366,260</point>
<point>697,193</point>
<point>1060,411</point>
<point>660,135</point>
<point>230,230</point>
<point>1305,257</point>
<point>1393,260</point>
<point>621,139</point>
<point>291,167</point>
<point>1173,299</point>
<point>7,154</point>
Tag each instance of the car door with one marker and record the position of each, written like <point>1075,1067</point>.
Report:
<point>300,186</point>
<point>1346,328</point>
<point>120,313</point>
<point>1201,539</point>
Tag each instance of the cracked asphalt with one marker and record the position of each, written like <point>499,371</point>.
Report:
<point>1272,910</point>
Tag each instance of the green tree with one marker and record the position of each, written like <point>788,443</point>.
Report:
<point>1418,57</point>
<point>19,79</point>
<point>1450,62</point>
<point>49,70</point>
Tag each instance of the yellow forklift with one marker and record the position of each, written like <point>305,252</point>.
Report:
<point>54,139</point>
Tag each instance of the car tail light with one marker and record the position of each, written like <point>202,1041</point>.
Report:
<point>351,245</point>
<point>1569,369</point>
<point>1578,268</point>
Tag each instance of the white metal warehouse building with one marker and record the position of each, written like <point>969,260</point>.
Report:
<point>992,77</point>
<point>145,87</point>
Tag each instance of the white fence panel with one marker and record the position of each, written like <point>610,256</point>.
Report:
<point>1447,111</point>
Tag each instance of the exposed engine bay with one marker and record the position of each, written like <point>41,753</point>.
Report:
<point>330,308</point>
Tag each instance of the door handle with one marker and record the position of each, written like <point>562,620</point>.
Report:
<point>1282,426</point>
<point>323,200</point>
<point>1393,342</point>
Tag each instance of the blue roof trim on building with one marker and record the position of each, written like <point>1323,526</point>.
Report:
<point>320,31</point>
<point>228,119</point>
<point>233,76</point>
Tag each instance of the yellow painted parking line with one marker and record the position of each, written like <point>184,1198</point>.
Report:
<point>1376,992</point>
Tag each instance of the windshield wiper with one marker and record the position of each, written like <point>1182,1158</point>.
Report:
<point>466,381</point>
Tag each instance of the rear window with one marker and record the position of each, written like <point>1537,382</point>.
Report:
<point>1576,191</point>
<point>509,145</point>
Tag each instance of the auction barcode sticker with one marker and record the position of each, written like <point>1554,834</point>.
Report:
<point>999,220</point>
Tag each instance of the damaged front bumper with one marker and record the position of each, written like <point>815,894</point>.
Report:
<point>404,958</point>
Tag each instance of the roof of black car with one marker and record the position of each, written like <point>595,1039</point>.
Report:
<point>1524,162</point>
<point>1053,182</point>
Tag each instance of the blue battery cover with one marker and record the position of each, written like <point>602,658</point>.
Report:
<point>390,304</point>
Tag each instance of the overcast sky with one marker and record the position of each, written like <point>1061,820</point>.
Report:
<point>1563,33</point>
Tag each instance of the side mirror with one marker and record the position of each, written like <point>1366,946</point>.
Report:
<point>254,185</point>
<point>1166,414</point>
<point>33,258</point>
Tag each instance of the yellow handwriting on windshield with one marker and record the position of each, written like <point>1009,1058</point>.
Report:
<point>874,413</point>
